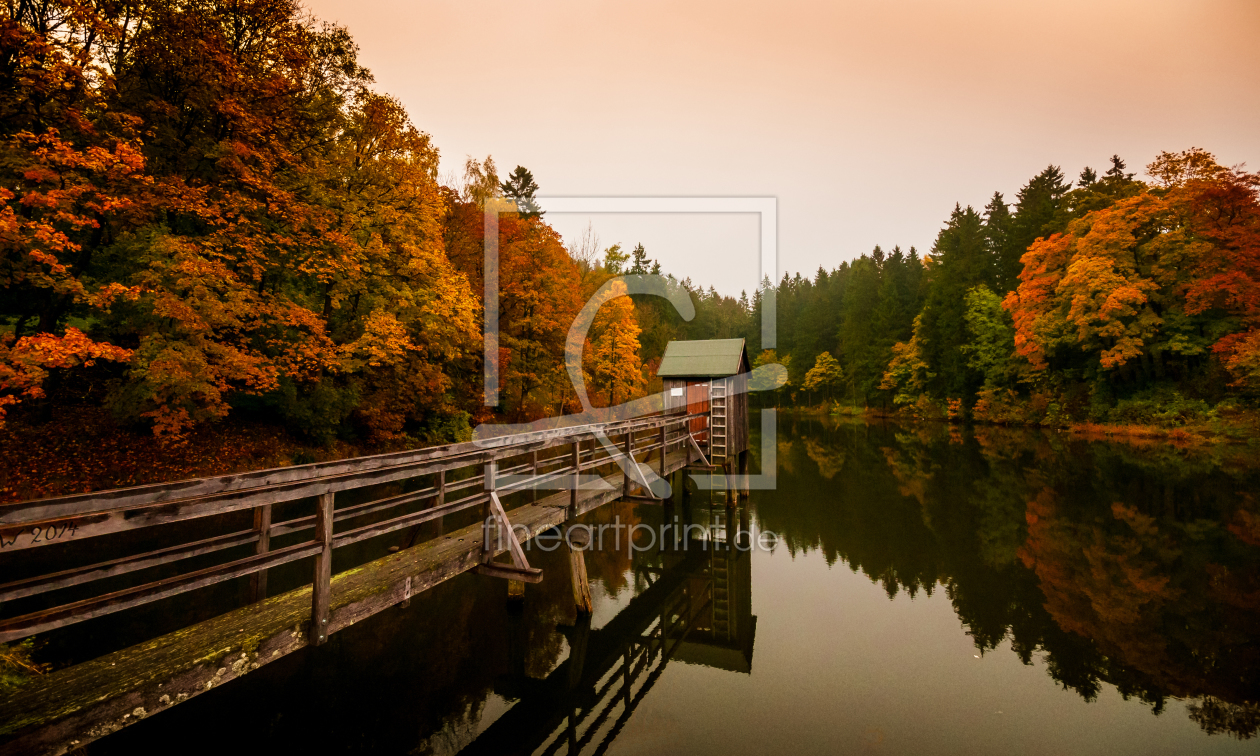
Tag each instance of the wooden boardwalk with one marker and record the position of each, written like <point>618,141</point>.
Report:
<point>64,710</point>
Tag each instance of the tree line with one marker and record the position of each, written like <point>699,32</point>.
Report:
<point>207,210</point>
<point>1111,299</point>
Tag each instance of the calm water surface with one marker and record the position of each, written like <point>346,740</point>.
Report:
<point>932,590</point>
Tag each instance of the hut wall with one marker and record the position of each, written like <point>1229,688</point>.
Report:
<point>737,413</point>
<point>672,401</point>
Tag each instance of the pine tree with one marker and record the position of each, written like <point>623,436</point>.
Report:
<point>1036,205</point>
<point>521,188</point>
<point>640,264</point>
<point>998,242</point>
<point>862,345</point>
<point>960,262</point>
<point>1116,171</point>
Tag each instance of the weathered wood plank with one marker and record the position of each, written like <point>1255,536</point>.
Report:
<point>510,572</point>
<point>664,447</point>
<point>121,566</point>
<point>577,473</point>
<point>321,583</point>
<point>625,479</point>
<point>578,578</point>
<point>262,526</point>
<point>25,625</point>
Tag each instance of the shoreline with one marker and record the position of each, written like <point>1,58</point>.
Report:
<point>1243,430</point>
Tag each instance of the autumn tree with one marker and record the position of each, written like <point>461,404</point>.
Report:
<point>611,357</point>
<point>908,375</point>
<point>770,357</point>
<point>826,375</point>
<point>1109,291</point>
<point>481,182</point>
<point>75,181</point>
<point>1219,210</point>
<point>276,234</point>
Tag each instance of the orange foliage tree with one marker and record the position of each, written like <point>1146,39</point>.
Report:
<point>214,187</point>
<point>1151,285</point>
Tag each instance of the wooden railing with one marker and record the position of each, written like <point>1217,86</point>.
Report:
<point>482,471</point>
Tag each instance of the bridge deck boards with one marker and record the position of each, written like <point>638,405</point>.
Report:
<point>64,710</point>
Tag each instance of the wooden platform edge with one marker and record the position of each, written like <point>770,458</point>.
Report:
<point>67,709</point>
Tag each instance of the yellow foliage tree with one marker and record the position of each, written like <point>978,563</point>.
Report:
<point>611,358</point>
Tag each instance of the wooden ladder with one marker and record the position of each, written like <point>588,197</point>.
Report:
<point>717,422</point>
<point>719,572</point>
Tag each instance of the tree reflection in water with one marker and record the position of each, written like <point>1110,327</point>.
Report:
<point>1128,565</point>
<point>1131,564</point>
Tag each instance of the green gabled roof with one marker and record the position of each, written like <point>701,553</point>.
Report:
<point>717,358</point>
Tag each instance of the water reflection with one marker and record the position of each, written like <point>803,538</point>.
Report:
<point>692,604</point>
<point>1133,565</point>
<point>1109,565</point>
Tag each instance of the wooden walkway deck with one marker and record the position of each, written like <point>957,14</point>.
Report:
<point>64,710</point>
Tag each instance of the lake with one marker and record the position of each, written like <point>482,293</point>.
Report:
<point>901,589</point>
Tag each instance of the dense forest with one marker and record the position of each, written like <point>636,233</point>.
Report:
<point>209,213</point>
<point>1115,300</point>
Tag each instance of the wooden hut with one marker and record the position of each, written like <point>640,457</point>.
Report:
<point>711,377</point>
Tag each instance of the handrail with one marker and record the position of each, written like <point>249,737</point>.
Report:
<point>200,489</point>
<point>121,510</point>
<point>109,511</point>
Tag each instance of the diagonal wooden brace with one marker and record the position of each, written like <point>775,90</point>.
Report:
<point>519,569</point>
<point>703,459</point>
<point>626,463</point>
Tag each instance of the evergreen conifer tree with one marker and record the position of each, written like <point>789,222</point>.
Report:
<point>521,188</point>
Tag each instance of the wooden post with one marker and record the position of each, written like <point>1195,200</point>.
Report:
<point>487,549</point>
<point>664,435</point>
<point>743,472</point>
<point>625,473</point>
<point>262,526</point>
<point>321,589</point>
<point>441,498</point>
<point>577,651</point>
<point>577,564</point>
<point>534,488</point>
<point>577,478</point>
<point>625,676</point>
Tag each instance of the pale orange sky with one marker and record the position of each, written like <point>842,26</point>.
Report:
<point>867,121</point>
